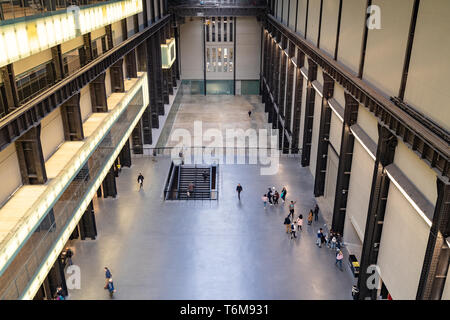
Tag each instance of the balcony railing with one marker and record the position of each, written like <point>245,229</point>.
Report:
<point>98,147</point>
<point>13,9</point>
<point>222,3</point>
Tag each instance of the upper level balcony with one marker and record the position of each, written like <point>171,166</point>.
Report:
<point>31,26</point>
<point>191,8</point>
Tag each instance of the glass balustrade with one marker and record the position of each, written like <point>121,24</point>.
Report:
<point>22,270</point>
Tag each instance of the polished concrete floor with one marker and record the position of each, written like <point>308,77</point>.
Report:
<point>224,249</point>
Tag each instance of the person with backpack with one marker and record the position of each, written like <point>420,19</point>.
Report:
<point>319,237</point>
<point>265,199</point>
<point>339,257</point>
<point>287,223</point>
<point>293,231</point>
<point>283,194</point>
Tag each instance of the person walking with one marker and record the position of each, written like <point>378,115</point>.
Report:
<point>276,196</point>
<point>108,276</point>
<point>69,255</point>
<point>339,257</point>
<point>310,217</point>
<point>291,208</point>
<point>269,196</point>
<point>283,194</point>
<point>293,231</point>
<point>110,287</point>
<point>190,189</point>
<point>287,223</point>
<point>333,242</point>
<point>319,237</point>
<point>316,212</point>
<point>239,190</point>
<point>140,180</point>
<point>299,222</point>
<point>265,199</point>
<point>249,113</point>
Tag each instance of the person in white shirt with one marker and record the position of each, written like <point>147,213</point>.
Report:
<point>299,222</point>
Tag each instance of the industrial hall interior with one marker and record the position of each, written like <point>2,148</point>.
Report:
<point>224,150</point>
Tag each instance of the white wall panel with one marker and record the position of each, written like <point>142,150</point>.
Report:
<point>359,188</point>
<point>292,14</point>
<point>279,9</point>
<point>368,122</point>
<point>85,103</point>
<point>330,180</point>
<point>302,112</point>
<point>108,82</point>
<point>72,44</point>
<point>285,11</point>
<point>315,134</point>
<point>32,61</point>
<point>116,28</point>
<point>313,21</point>
<point>351,33</point>
<point>385,52</point>
<point>339,94</point>
<point>417,171</point>
<point>10,173</point>
<point>52,133</point>
<point>191,49</point>
<point>352,240</point>
<point>328,30</point>
<point>446,293</point>
<point>428,88</point>
<point>402,247</point>
<point>301,16</point>
<point>335,131</point>
<point>100,32</point>
<point>248,48</point>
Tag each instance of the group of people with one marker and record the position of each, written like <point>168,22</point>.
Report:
<point>272,196</point>
<point>332,241</point>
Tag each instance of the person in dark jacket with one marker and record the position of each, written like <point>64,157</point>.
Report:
<point>110,287</point>
<point>239,190</point>
<point>69,255</point>
<point>316,213</point>
<point>269,196</point>
<point>276,196</point>
<point>108,276</point>
<point>287,223</point>
<point>140,180</point>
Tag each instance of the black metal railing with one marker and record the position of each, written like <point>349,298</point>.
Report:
<point>193,195</point>
<point>13,9</point>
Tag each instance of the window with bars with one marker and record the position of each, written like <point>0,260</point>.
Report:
<point>219,59</point>
<point>219,29</point>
